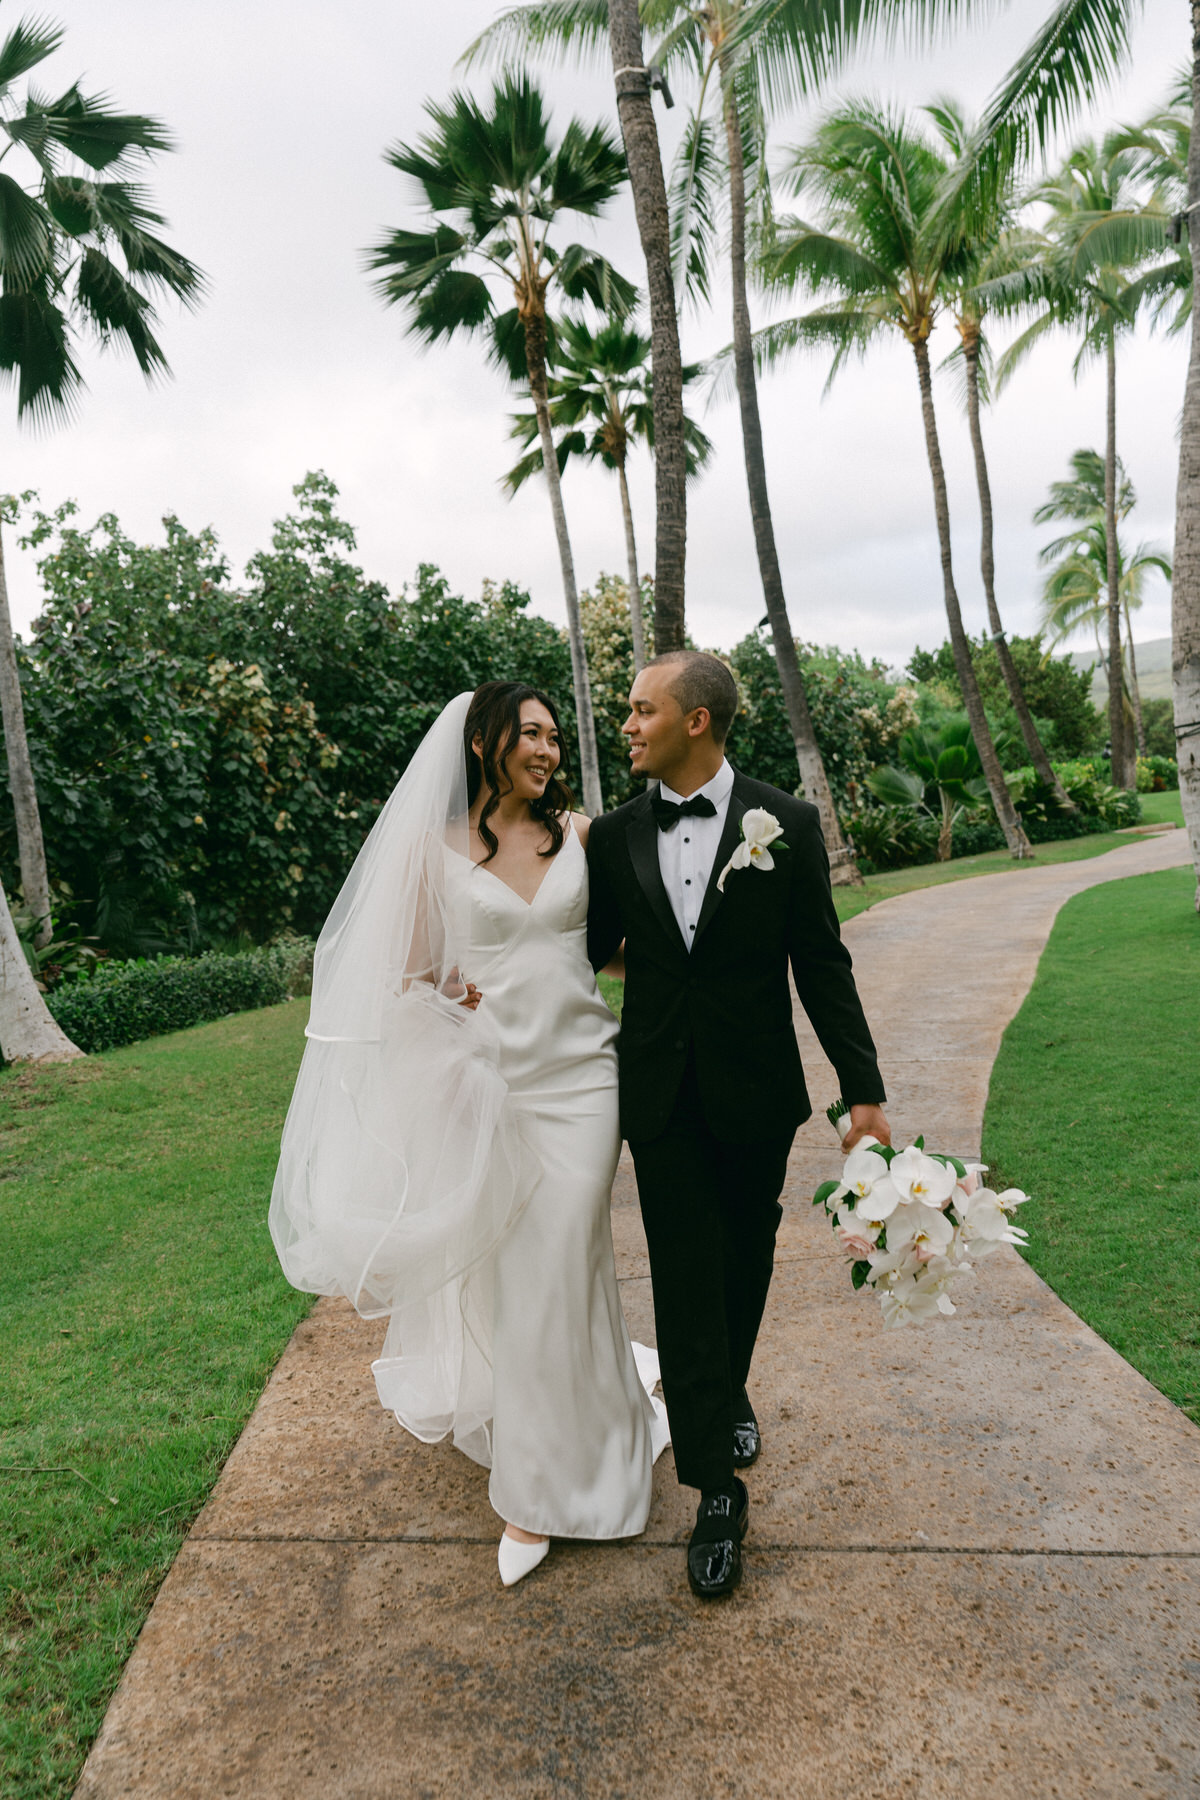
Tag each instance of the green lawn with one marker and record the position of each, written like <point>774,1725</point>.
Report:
<point>142,1309</point>
<point>1094,1109</point>
<point>1157,809</point>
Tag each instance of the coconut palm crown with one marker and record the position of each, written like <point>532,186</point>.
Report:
<point>601,405</point>
<point>1101,258</point>
<point>881,262</point>
<point>495,184</point>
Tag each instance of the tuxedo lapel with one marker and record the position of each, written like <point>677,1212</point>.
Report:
<point>642,838</point>
<point>730,837</point>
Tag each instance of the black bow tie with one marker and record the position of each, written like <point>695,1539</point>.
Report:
<point>669,812</point>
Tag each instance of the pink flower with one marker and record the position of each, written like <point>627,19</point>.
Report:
<point>854,1244</point>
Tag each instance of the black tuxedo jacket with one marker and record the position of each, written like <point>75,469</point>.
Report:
<point>727,1001</point>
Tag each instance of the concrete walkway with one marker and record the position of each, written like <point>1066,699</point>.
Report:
<point>974,1558</point>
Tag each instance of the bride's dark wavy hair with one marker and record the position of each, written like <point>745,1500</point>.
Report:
<point>495,713</point>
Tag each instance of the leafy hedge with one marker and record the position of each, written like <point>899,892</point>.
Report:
<point>122,1002</point>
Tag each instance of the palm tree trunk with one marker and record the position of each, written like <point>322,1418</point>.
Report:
<point>636,110</point>
<point>1135,692</point>
<point>636,624</point>
<point>28,1033</point>
<point>589,761</point>
<point>843,868</point>
<point>987,564</point>
<point>30,846</point>
<point>1123,773</point>
<point>1185,587</point>
<point>1010,824</point>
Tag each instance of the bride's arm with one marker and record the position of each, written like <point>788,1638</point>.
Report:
<point>426,954</point>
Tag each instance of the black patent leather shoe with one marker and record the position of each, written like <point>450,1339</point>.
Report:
<point>747,1439</point>
<point>714,1558</point>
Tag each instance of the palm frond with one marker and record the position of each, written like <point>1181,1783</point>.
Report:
<point>584,275</point>
<point>26,45</point>
<point>696,198</point>
<point>557,29</point>
<point>36,348</point>
<point>117,312</point>
<point>24,234</point>
<point>87,128</point>
<point>1067,64</point>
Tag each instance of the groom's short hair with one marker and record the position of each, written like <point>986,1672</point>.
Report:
<point>699,679</point>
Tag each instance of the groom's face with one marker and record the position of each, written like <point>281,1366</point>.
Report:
<point>656,729</point>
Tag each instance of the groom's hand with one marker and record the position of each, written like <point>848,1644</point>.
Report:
<point>867,1121</point>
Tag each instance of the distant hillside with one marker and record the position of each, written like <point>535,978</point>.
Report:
<point>1153,667</point>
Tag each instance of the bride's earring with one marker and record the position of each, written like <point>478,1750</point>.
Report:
<point>516,1560</point>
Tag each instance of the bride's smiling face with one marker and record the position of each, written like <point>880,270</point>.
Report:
<point>535,755</point>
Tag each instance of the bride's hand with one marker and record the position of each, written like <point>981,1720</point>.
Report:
<point>472,997</point>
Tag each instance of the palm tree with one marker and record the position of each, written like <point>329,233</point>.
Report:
<point>1169,149</point>
<point>636,112</point>
<point>602,378</point>
<point>1087,272</point>
<point>989,242</point>
<point>77,254</point>
<point>495,185</point>
<point>28,1032</point>
<point>884,263</point>
<point>767,53</point>
<point>1077,586</point>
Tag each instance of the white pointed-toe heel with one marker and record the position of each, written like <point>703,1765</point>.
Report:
<point>517,1559</point>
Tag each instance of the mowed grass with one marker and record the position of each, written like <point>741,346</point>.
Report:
<point>1157,809</point>
<point>141,1311</point>
<point>1094,1109</point>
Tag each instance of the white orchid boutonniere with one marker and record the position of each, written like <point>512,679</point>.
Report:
<point>761,831</point>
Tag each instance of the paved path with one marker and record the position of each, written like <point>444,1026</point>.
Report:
<point>974,1558</point>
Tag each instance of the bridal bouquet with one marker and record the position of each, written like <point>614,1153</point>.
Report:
<point>913,1221</point>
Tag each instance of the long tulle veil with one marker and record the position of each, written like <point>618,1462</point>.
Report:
<point>401,1165</point>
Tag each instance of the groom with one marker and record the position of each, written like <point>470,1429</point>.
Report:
<point>712,1090</point>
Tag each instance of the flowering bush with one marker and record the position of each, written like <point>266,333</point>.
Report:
<point>912,1223</point>
<point>1156,773</point>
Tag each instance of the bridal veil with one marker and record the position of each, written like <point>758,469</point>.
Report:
<point>401,1166</point>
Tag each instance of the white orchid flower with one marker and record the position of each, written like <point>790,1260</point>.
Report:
<point>865,1171</point>
<point>759,829</point>
<point>920,1178</point>
<point>1010,1198</point>
<point>923,1229</point>
<point>986,1224</point>
<point>907,1304</point>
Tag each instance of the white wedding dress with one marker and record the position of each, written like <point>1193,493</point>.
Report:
<point>550,1393</point>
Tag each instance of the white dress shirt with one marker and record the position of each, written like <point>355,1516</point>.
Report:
<point>688,852</point>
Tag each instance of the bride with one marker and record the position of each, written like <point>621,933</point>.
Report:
<point>451,1143</point>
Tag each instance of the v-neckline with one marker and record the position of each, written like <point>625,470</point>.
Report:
<point>529,904</point>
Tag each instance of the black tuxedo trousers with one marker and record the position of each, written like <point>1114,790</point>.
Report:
<point>712,1089</point>
<point>711,1210</point>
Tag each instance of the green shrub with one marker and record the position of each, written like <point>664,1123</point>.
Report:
<point>1156,773</point>
<point>1087,785</point>
<point>122,1002</point>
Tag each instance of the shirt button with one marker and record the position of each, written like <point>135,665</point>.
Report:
<point>691,928</point>
<point>687,881</point>
<point>687,840</point>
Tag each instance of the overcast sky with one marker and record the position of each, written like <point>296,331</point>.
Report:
<point>282,112</point>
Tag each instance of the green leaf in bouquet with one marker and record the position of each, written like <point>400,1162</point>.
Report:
<point>919,1143</point>
<point>859,1272</point>
<point>821,1197</point>
<point>884,1150</point>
